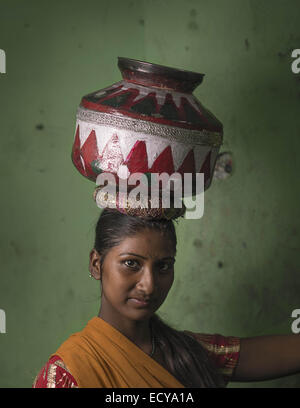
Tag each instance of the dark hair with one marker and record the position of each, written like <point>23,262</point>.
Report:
<point>185,358</point>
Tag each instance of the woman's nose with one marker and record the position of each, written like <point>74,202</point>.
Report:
<point>147,281</point>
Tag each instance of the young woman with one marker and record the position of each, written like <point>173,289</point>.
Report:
<point>128,345</point>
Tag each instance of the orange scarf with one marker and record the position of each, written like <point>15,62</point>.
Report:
<point>100,356</point>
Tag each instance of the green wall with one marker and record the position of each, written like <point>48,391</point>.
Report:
<point>237,270</point>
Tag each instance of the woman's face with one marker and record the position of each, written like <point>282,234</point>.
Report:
<point>136,276</point>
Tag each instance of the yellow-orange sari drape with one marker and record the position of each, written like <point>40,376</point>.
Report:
<point>101,356</point>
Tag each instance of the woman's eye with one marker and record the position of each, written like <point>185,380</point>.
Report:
<point>165,267</point>
<point>130,263</point>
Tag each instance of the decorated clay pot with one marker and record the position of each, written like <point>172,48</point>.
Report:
<point>150,122</point>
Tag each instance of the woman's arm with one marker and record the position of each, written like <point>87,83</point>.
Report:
<point>268,357</point>
<point>54,374</point>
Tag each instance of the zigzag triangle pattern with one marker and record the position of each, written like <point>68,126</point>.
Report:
<point>76,156</point>
<point>188,164</point>
<point>137,159</point>
<point>164,162</point>
<point>111,157</point>
<point>89,152</point>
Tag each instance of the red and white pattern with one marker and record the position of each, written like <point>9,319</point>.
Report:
<point>150,122</point>
<point>114,148</point>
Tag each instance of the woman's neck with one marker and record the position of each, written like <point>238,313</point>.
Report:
<point>138,331</point>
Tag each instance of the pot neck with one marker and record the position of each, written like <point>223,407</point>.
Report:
<point>159,76</point>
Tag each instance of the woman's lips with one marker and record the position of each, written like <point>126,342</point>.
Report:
<point>140,302</point>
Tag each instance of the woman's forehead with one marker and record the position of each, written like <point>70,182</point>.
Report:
<point>147,243</point>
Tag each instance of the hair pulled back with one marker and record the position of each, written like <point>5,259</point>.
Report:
<point>113,226</point>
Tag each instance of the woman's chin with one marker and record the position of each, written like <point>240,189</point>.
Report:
<point>140,314</point>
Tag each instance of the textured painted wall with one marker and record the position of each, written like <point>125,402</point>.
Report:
<point>237,270</point>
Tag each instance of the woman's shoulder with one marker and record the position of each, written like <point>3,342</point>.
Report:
<point>54,374</point>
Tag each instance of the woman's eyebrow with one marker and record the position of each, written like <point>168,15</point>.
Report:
<point>140,256</point>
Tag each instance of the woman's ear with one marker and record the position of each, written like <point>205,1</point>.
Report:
<point>94,264</point>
